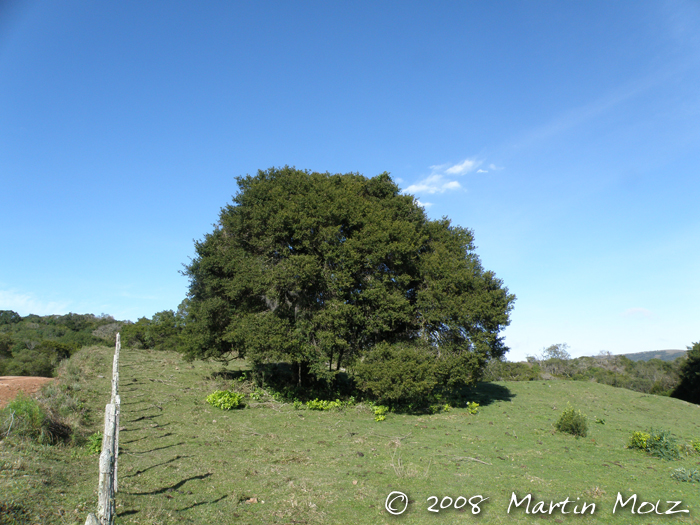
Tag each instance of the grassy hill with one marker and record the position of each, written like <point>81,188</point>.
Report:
<point>664,355</point>
<point>183,461</point>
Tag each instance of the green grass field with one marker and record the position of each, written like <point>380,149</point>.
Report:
<point>183,461</point>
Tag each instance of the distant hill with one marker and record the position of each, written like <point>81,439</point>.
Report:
<point>664,355</point>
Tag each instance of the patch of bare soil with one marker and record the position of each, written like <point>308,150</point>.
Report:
<point>10,386</point>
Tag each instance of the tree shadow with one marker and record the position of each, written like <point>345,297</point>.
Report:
<point>487,393</point>
<point>229,375</point>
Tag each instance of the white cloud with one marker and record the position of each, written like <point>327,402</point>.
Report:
<point>25,304</point>
<point>435,183</point>
<point>424,204</point>
<point>463,167</point>
<point>442,177</point>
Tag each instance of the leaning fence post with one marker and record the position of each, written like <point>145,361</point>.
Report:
<point>105,490</point>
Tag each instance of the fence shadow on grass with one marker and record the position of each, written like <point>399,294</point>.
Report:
<point>171,488</point>
<point>176,458</point>
<point>203,503</point>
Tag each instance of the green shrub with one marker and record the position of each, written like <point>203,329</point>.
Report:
<point>572,422</point>
<point>225,399</point>
<point>94,443</point>
<point>323,404</point>
<point>380,412</point>
<point>696,445</point>
<point>436,409</point>
<point>472,407</point>
<point>24,418</point>
<point>663,445</point>
<point>398,374</point>
<point>639,440</point>
<point>682,474</point>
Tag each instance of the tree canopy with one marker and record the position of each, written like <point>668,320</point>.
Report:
<point>689,387</point>
<point>317,270</point>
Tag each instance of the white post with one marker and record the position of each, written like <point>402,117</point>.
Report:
<point>117,406</point>
<point>105,491</point>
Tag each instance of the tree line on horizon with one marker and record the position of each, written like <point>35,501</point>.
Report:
<point>34,345</point>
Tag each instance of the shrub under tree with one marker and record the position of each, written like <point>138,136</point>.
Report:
<point>324,271</point>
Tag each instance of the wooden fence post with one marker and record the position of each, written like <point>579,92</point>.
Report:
<point>105,490</point>
<point>107,484</point>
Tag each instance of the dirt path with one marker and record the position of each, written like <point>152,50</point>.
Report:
<point>10,386</point>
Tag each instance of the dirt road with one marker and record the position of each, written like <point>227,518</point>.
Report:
<point>10,386</point>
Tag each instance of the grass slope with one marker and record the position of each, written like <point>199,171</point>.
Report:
<point>183,461</point>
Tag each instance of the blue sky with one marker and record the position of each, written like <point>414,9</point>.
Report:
<point>565,134</point>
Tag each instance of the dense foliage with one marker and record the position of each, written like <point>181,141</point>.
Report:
<point>34,345</point>
<point>689,387</point>
<point>327,271</point>
<point>161,332</point>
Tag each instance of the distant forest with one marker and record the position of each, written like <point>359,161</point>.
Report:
<point>34,346</point>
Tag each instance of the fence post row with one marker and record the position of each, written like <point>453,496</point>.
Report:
<point>107,486</point>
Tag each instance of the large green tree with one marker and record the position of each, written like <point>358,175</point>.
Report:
<point>689,387</point>
<point>316,270</point>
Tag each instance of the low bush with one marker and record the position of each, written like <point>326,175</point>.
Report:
<point>639,440</point>
<point>659,443</point>
<point>225,399</point>
<point>94,443</point>
<point>472,408</point>
<point>696,445</point>
<point>394,374</point>
<point>26,418</point>
<point>572,422</point>
<point>23,417</point>
<point>683,474</point>
<point>323,404</point>
<point>380,412</point>
<point>664,445</point>
<point>442,407</point>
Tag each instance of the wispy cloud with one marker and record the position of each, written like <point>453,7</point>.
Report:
<point>25,304</point>
<point>463,167</point>
<point>442,178</point>
<point>637,312</point>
